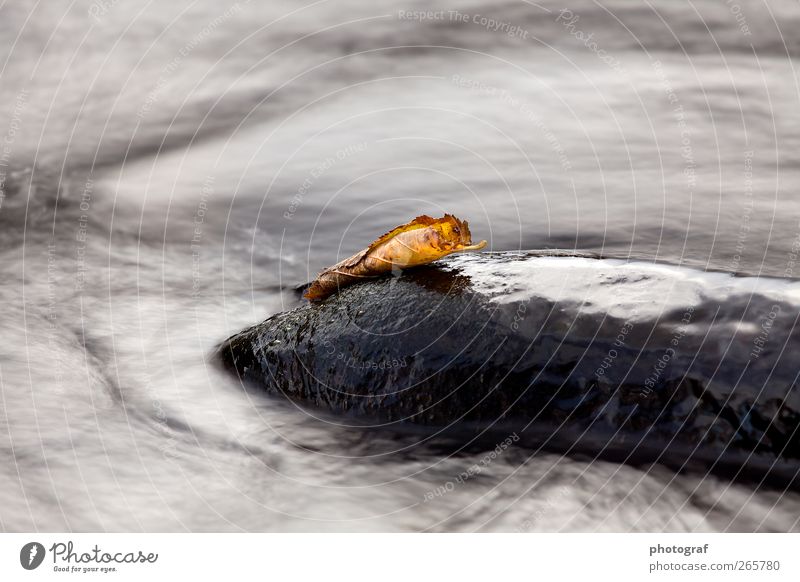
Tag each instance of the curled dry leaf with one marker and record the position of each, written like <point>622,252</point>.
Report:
<point>419,242</point>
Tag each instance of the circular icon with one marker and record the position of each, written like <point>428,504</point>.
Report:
<point>31,555</point>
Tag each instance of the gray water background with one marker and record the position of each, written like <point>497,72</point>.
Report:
<point>170,170</point>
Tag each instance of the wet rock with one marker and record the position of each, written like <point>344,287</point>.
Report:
<point>632,362</point>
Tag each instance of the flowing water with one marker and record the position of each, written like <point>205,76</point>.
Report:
<point>171,171</point>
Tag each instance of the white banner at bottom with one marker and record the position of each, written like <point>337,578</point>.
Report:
<point>399,557</point>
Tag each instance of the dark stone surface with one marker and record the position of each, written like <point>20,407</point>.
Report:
<point>428,348</point>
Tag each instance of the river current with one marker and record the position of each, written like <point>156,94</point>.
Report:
<point>170,172</point>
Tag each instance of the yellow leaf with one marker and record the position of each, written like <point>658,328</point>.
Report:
<point>419,242</point>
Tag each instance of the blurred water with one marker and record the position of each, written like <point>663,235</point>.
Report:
<point>170,171</point>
